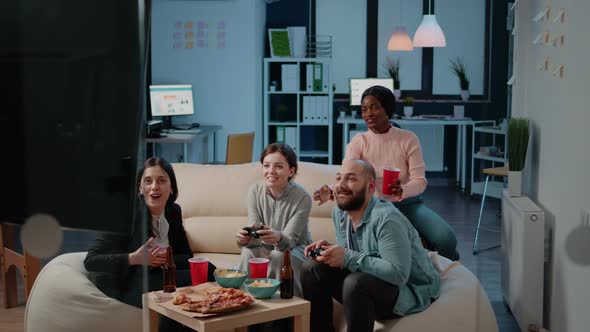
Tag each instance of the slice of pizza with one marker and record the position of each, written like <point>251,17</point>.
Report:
<point>194,306</point>
<point>180,299</point>
<point>220,300</point>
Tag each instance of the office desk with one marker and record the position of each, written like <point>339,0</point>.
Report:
<point>461,136</point>
<point>188,136</point>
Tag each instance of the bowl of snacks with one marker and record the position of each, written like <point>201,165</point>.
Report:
<point>262,288</point>
<point>229,278</point>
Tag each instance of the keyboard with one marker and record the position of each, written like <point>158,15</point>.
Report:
<point>185,126</point>
<point>180,131</point>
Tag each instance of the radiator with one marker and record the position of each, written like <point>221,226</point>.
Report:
<point>432,140</point>
<point>523,253</point>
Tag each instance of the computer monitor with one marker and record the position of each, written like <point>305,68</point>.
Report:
<point>171,100</point>
<point>359,85</point>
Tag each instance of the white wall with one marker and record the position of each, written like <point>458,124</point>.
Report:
<point>346,22</point>
<point>227,82</point>
<point>559,158</point>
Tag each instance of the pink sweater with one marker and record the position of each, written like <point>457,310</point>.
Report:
<point>396,148</point>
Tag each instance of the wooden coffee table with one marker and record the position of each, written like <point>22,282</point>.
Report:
<point>264,311</point>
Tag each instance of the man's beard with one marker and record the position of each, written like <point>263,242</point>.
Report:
<point>355,203</point>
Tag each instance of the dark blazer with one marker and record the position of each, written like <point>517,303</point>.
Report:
<point>108,259</point>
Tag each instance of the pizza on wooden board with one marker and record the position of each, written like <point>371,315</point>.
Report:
<point>217,300</point>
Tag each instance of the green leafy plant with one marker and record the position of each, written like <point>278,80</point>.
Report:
<point>460,70</point>
<point>392,67</point>
<point>408,101</point>
<point>282,112</point>
<point>518,141</point>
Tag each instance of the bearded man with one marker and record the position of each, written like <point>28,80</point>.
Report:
<point>378,269</point>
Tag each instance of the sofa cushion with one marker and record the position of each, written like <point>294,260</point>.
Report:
<point>213,199</point>
<point>215,190</point>
<point>214,233</point>
<point>322,229</point>
<point>63,299</point>
<point>222,190</point>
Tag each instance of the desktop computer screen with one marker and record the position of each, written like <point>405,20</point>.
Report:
<point>170,100</point>
<point>359,85</point>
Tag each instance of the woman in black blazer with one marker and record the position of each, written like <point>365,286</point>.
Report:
<point>117,264</point>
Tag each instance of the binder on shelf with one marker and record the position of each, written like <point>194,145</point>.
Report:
<point>291,137</point>
<point>318,109</point>
<point>297,39</point>
<point>325,77</point>
<point>326,110</point>
<point>309,77</point>
<point>317,77</point>
<point>289,77</point>
<point>306,109</point>
<point>312,109</point>
<point>280,134</point>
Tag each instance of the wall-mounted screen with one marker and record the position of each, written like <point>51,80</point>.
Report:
<point>359,85</point>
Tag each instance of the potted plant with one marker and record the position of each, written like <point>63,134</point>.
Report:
<point>282,112</point>
<point>518,141</point>
<point>344,111</point>
<point>392,67</point>
<point>459,69</point>
<point>408,106</point>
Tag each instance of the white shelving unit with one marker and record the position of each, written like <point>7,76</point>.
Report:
<point>496,185</point>
<point>303,87</point>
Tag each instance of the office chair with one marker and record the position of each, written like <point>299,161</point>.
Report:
<point>239,148</point>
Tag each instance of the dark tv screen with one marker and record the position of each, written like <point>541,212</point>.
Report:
<point>73,105</point>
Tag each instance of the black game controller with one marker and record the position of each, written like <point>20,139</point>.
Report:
<point>315,252</point>
<point>252,231</point>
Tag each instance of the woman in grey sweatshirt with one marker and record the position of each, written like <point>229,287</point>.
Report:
<point>282,207</point>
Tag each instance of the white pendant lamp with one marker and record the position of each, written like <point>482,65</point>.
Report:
<point>429,33</point>
<point>400,40</point>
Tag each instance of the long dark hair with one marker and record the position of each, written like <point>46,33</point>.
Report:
<point>385,97</point>
<point>167,167</point>
<point>143,215</point>
<point>286,151</point>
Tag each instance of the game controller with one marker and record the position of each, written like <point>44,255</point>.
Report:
<point>252,231</point>
<point>315,252</point>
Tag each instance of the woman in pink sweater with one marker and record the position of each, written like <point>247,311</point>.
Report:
<point>384,145</point>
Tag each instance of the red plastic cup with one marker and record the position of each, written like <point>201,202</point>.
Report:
<point>199,270</point>
<point>258,268</point>
<point>390,174</point>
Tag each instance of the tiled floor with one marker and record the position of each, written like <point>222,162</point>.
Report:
<point>458,209</point>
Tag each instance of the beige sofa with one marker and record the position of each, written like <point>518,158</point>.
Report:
<point>213,200</point>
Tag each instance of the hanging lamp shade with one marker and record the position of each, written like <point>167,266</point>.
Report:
<point>429,33</point>
<point>400,40</point>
